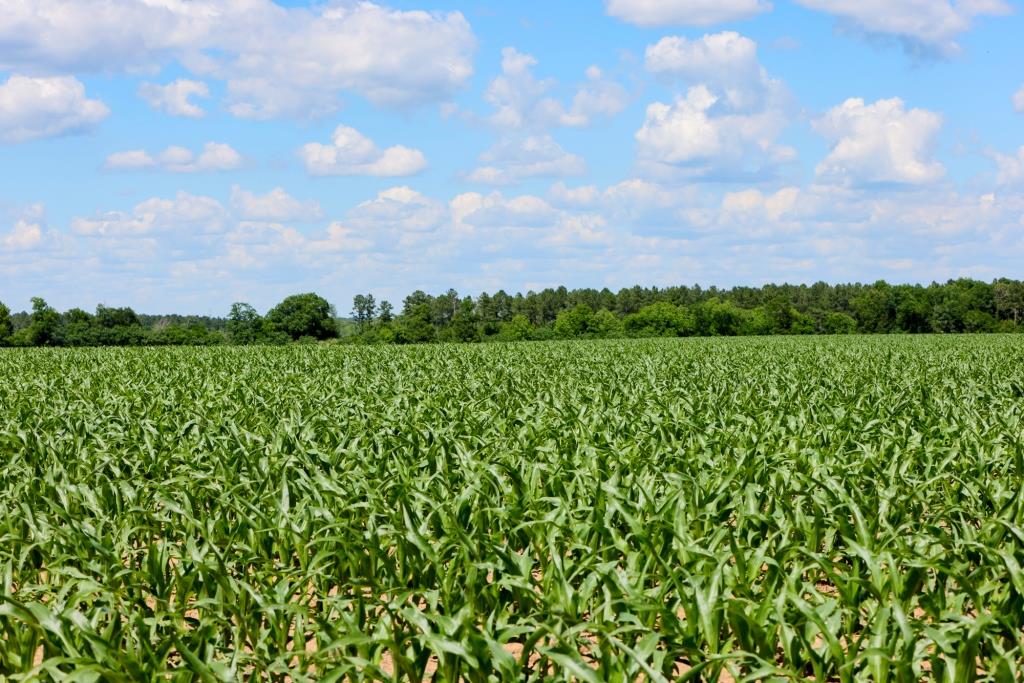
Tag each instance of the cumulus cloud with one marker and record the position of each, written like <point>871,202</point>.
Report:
<point>879,143</point>
<point>276,205</point>
<point>652,13</point>
<point>524,111</point>
<point>755,207</point>
<point>930,26</point>
<point>512,160</point>
<point>472,210</point>
<point>35,108</point>
<point>399,208</point>
<point>1018,100</point>
<point>691,135</point>
<point>130,160</point>
<point>173,98</point>
<point>215,156</point>
<point>352,153</point>
<point>728,121</point>
<point>725,62</point>
<point>28,231</point>
<point>339,238</point>
<point>24,235</point>
<point>190,246</point>
<point>194,213</point>
<point>275,60</point>
<point>1010,167</point>
<point>582,196</point>
<point>521,100</point>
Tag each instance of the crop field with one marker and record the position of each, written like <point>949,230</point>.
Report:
<point>772,509</point>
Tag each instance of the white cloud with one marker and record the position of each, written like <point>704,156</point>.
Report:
<point>131,160</point>
<point>186,211</point>
<point>598,97</point>
<point>534,156</point>
<point>575,231</point>
<point>524,110</point>
<point>34,108</point>
<point>691,136</point>
<point>521,100</point>
<point>352,153</point>
<point>339,238</point>
<point>24,235</point>
<point>727,123</point>
<point>254,245</point>
<point>173,98</point>
<point>192,251</point>
<point>583,196</point>
<point>1018,100</point>
<point>651,13</point>
<point>215,156</point>
<point>923,25</point>
<point>1010,167</point>
<point>276,205</point>
<point>398,208</point>
<point>879,143</point>
<point>752,206</point>
<point>473,210</point>
<point>725,62</point>
<point>275,60</point>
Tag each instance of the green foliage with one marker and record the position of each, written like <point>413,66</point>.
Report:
<point>43,330</point>
<point>414,326</point>
<point>660,320</point>
<point>463,325</point>
<point>839,323</point>
<point>953,307</point>
<point>761,509</point>
<point>576,322</point>
<point>716,318</point>
<point>6,327</point>
<point>186,335</point>
<point>605,325</point>
<point>304,315</point>
<point>517,329</point>
<point>245,326</point>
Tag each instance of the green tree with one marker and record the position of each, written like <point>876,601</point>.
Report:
<point>1009,299</point>
<point>780,314</point>
<point>78,328</point>
<point>304,315</point>
<point>661,319</point>
<point>386,312</point>
<point>518,328</point>
<point>364,309</point>
<point>414,326</point>
<point>606,324</point>
<point>44,328</point>
<point>6,326</point>
<point>714,318</point>
<point>246,326</point>
<point>912,314</point>
<point>463,326</point>
<point>875,308</point>
<point>576,322</point>
<point>118,327</point>
<point>839,323</point>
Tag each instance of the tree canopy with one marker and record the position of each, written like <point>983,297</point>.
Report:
<point>962,305</point>
<point>304,315</point>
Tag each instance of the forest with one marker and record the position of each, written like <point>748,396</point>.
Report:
<point>956,306</point>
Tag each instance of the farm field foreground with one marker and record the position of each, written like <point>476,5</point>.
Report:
<point>842,508</point>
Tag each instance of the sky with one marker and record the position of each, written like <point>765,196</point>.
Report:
<point>180,155</point>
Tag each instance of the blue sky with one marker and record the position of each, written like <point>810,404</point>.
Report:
<point>179,155</point>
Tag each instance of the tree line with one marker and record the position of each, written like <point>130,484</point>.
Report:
<point>962,305</point>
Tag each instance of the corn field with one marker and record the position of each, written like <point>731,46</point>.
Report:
<point>769,509</point>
